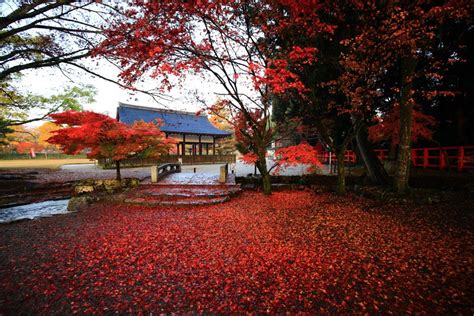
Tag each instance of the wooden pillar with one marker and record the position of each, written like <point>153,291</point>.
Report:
<point>200,146</point>
<point>442,161</point>
<point>414,157</point>
<point>207,149</point>
<point>425,158</point>
<point>184,144</point>
<point>177,149</point>
<point>460,158</point>
<point>213,145</point>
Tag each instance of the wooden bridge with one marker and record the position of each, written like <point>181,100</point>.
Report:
<point>108,163</point>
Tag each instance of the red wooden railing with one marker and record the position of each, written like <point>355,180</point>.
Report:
<point>326,156</point>
<point>454,157</point>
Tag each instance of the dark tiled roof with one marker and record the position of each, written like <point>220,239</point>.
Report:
<point>173,121</point>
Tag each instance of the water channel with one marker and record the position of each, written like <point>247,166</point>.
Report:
<point>33,210</point>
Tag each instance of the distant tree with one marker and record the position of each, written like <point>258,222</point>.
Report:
<point>4,131</point>
<point>220,119</point>
<point>27,139</point>
<point>105,137</point>
<point>28,147</point>
<point>18,134</point>
<point>15,108</point>
<point>45,131</point>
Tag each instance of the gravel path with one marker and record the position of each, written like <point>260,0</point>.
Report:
<point>202,173</point>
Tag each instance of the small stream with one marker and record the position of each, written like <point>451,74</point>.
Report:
<point>33,210</point>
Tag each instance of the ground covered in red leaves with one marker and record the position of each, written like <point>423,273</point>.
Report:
<point>291,252</point>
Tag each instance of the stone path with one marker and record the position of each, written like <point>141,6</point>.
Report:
<point>191,178</point>
<point>184,189</point>
<point>178,195</point>
<point>195,178</point>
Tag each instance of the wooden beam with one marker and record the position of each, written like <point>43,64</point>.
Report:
<point>200,146</point>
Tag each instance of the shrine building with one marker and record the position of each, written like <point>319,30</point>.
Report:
<point>196,136</point>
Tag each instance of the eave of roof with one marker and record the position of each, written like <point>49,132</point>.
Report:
<point>173,121</point>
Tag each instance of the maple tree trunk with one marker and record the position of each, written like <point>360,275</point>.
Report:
<point>117,168</point>
<point>341,172</point>
<point>406,112</point>
<point>375,170</point>
<point>267,184</point>
<point>266,178</point>
<point>392,152</point>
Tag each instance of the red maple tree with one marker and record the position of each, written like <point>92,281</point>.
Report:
<point>392,38</point>
<point>28,147</point>
<point>225,40</point>
<point>105,137</point>
<point>388,127</point>
<point>301,154</point>
<point>371,42</point>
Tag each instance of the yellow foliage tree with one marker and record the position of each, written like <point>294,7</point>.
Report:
<point>220,119</point>
<point>44,132</point>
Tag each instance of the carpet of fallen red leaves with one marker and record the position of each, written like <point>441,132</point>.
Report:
<point>291,252</point>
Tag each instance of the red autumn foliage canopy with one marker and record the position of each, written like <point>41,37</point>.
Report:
<point>302,154</point>
<point>105,137</point>
<point>388,127</point>
<point>171,38</point>
<point>27,147</point>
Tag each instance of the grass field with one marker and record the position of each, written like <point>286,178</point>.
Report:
<point>33,164</point>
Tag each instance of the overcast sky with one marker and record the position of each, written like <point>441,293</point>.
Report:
<point>53,81</point>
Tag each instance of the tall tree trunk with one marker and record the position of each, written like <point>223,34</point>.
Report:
<point>341,172</point>
<point>375,170</point>
<point>117,168</point>
<point>408,65</point>
<point>266,178</point>
<point>392,152</point>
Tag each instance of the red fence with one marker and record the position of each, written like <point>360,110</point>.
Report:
<point>456,157</point>
<point>326,157</point>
